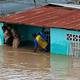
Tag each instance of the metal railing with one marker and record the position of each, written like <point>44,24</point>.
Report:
<point>74,45</point>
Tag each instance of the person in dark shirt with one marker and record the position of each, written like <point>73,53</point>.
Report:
<point>7,36</point>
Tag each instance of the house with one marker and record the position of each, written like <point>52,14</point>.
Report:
<point>63,23</point>
<point>1,35</point>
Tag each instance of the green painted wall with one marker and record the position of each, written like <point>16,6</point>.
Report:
<point>27,31</point>
<point>59,42</point>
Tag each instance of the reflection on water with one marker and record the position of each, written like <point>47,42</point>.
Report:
<point>65,67</point>
<point>23,64</point>
<point>1,55</point>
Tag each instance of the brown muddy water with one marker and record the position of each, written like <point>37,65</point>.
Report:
<point>24,64</point>
<point>65,67</point>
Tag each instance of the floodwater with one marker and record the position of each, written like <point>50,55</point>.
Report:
<point>65,67</point>
<point>24,64</point>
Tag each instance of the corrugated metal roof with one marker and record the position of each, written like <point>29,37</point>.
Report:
<point>48,16</point>
<point>67,5</point>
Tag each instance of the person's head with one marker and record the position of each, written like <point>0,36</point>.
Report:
<point>4,28</point>
<point>34,35</point>
<point>9,28</point>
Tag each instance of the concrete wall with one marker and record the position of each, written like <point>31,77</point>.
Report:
<point>1,34</point>
<point>59,42</point>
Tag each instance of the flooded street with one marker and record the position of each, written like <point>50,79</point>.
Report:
<point>65,67</point>
<point>23,64</point>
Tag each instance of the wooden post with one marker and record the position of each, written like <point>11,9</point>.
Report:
<point>46,1</point>
<point>34,2</point>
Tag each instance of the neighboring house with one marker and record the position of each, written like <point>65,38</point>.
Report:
<point>63,22</point>
<point>13,6</point>
<point>10,6</point>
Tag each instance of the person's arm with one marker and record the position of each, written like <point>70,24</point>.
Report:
<point>44,36</point>
<point>35,45</point>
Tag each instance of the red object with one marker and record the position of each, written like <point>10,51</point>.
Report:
<point>47,16</point>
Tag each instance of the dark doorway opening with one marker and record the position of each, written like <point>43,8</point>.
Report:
<point>25,34</point>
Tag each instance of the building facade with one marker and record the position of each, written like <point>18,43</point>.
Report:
<point>65,42</point>
<point>1,35</point>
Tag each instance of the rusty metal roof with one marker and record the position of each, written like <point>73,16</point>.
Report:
<point>47,16</point>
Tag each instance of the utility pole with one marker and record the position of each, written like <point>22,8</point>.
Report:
<point>35,2</point>
<point>46,1</point>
